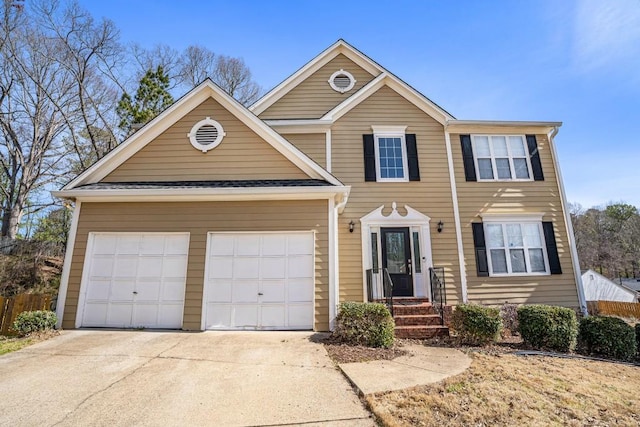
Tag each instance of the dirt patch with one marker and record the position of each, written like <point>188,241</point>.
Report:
<point>502,389</point>
<point>343,353</point>
<point>9,344</point>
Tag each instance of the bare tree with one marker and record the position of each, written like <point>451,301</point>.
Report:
<point>196,64</point>
<point>232,75</point>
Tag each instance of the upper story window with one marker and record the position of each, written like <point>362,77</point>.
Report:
<point>390,155</point>
<point>501,158</point>
<point>342,81</point>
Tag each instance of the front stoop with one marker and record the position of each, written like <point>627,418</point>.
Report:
<point>417,319</point>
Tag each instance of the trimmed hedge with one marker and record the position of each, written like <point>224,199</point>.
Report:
<point>475,324</point>
<point>608,337</point>
<point>368,324</point>
<point>548,327</point>
<point>29,322</point>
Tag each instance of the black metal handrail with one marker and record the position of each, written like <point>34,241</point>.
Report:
<point>438,290</point>
<point>387,287</point>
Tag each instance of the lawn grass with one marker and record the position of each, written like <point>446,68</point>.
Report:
<point>508,390</point>
<point>9,344</point>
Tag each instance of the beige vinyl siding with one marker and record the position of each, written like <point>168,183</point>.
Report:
<point>313,97</point>
<point>198,218</point>
<point>475,198</point>
<point>241,155</point>
<point>313,145</point>
<point>431,195</point>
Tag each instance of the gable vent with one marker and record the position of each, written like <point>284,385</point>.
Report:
<point>206,135</point>
<point>342,81</point>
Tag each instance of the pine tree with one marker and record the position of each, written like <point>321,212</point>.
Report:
<point>151,98</point>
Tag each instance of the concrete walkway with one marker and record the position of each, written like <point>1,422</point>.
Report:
<point>423,365</point>
<point>144,378</point>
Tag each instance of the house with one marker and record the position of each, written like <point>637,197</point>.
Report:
<point>599,288</point>
<point>215,216</point>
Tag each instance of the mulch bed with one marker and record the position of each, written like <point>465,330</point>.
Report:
<point>345,353</point>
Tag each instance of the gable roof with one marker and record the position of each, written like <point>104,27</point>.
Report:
<point>608,282</point>
<point>382,77</point>
<point>179,109</point>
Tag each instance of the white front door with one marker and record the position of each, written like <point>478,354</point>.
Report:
<point>259,280</point>
<point>133,280</point>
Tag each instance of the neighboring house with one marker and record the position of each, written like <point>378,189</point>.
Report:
<point>632,283</point>
<point>599,288</point>
<point>218,216</point>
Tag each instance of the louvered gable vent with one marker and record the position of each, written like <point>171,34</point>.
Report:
<point>205,135</point>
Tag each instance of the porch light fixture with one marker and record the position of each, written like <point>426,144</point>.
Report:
<point>351,225</point>
<point>440,226</point>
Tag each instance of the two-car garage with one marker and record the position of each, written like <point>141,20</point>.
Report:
<point>252,280</point>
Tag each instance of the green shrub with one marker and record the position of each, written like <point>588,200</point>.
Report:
<point>28,322</point>
<point>608,337</point>
<point>476,324</point>
<point>548,327</point>
<point>366,324</point>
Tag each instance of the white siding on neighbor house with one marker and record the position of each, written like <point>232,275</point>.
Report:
<point>599,288</point>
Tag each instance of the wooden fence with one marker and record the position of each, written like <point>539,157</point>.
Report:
<point>11,307</point>
<point>614,308</point>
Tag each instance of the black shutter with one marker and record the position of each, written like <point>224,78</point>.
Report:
<point>412,157</point>
<point>534,155</point>
<point>467,158</point>
<point>552,249</point>
<point>481,250</point>
<point>369,158</point>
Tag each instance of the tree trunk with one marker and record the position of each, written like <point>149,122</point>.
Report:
<point>11,220</point>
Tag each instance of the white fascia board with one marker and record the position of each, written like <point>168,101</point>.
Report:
<point>339,47</point>
<point>300,126</point>
<point>205,194</point>
<point>397,85</point>
<point>477,126</point>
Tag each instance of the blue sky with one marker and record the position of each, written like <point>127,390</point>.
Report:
<point>572,61</point>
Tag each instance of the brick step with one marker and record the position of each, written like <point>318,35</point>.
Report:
<point>413,309</point>
<point>421,332</point>
<point>418,320</point>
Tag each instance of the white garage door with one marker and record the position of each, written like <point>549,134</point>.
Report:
<point>134,280</point>
<point>259,281</point>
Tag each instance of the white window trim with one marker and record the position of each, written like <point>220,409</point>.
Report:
<point>493,160</point>
<point>520,220</point>
<point>391,132</point>
<point>194,130</point>
<point>341,72</point>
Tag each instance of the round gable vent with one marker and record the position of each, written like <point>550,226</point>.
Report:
<point>342,81</point>
<point>206,135</point>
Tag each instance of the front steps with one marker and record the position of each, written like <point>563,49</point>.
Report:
<point>417,318</point>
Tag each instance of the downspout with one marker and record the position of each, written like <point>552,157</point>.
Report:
<point>567,220</point>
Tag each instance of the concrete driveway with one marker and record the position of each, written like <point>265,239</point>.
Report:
<point>144,378</point>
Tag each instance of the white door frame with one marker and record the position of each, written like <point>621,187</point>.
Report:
<point>415,221</point>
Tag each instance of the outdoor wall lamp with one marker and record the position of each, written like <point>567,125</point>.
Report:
<point>440,226</point>
<point>351,225</point>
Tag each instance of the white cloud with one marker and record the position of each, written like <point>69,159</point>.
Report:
<point>607,35</point>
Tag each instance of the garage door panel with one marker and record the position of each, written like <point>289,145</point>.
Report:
<point>274,244</point>
<point>150,266</point>
<point>134,279</point>
<point>300,290</point>
<point>220,268</point>
<point>122,289</point>
<point>273,316</point>
<point>270,283</point>
<point>300,266</point>
<point>273,291</point>
<point>245,291</point>
<point>126,266</point>
<point>246,268</point>
<point>274,268</point>
<point>300,244</point>
<point>102,266</point>
<point>300,315</point>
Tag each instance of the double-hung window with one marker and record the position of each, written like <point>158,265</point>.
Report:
<point>391,157</point>
<point>501,157</point>
<point>515,248</point>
